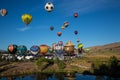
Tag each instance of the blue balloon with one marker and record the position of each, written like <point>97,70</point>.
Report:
<point>60,43</point>
<point>59,49</point>
<point>35,49</point>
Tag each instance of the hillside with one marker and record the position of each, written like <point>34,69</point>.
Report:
<point>109,48</point>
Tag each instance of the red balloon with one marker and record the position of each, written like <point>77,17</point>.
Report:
<point>75,15</point>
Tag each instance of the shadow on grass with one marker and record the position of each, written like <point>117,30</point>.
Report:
<point>111,68</point>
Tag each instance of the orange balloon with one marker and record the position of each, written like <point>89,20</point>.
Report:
<point>10,48</point>
<point>59,33</point>
<point>43,49</point>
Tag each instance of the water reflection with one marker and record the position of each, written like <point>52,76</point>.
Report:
<point>59,76</point>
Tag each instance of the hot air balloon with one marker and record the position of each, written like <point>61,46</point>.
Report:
<point>35,49</point>
<point>50,50</point>
<point>78,40</point>
<point>87,49</point>
<point>53,46</point>
<point>43,49</point>
<point>80,45</point>
<point>66,24</point>
<point>21,50</point>
<point>75,32</point>
<point>69,47</point>
<point>60,43</point>
<point>80,48</point>
<point>49,6</point>
<point>59,48</point>
<point>3,12</point>
<point>26,18</point>
<point>12,49</point>
<point>75,15</point>
<point>59,33</point>
<point>51,28</point>
<point>63,27</point>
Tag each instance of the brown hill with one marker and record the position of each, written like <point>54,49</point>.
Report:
<point>112,47</point>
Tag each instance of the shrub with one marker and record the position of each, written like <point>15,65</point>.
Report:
<point>60,63</point>
<point>39,61</point>
<point>113,63</point>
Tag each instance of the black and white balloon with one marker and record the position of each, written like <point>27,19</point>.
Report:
<point>49,6</point>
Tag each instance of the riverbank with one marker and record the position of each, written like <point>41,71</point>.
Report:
<point>82,65</point>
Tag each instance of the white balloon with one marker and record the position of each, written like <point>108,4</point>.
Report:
<point>49,6</point>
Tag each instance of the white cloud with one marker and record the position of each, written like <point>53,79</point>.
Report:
<point>33,28</point>
<point>85,6</point>
<point>23,29</point>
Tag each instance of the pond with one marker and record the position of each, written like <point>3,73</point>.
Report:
<point>59,76</point>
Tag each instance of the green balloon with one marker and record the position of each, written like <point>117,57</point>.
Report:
<point>21,50</point>
<point>80,45</point>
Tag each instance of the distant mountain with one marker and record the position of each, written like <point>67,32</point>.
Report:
<point>112,47</point>
<point>2,50</point>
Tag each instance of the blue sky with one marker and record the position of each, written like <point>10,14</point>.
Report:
<point>98,22</point>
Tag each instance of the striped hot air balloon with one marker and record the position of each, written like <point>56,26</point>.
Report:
<point>3,12</point>
<point>66,24</point>
<point>12,49</point>
<point>35,49</point>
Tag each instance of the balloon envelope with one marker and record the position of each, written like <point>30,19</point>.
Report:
<point>43,49</point>
<point>80,45</point>
<point>59,33</point>
<point>50,50</point>
<point>59,48</point>
<point>26,18</point>
<point>12,49</point>
<point>63,27</point>
<point>51,28</point>
<point>49,6</point>
<point>60,43</point>
<point>21,50</point>
<point>34,49</point>
<point>75,32</point>
<point>3,12</point>
<point>75,15</point>
<point>66,24</point>
<point>53,46</point>
<point>78,40</point>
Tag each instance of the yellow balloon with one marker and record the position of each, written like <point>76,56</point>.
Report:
<point>63,27</point>
<point>80,45</point>
<point>26,18</point>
